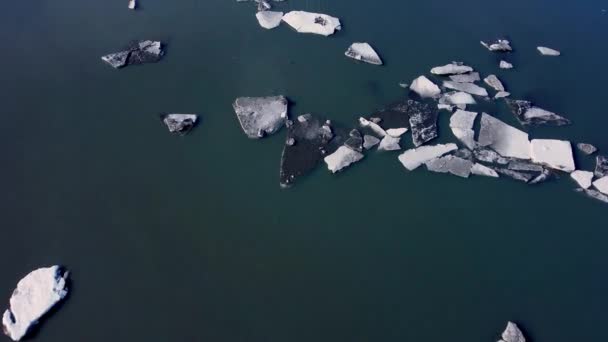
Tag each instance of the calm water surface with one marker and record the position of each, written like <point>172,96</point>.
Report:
<point>191,239</point>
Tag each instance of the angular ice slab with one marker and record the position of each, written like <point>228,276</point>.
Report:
<point>425,87</point>
<point>482,170</point>
<point>450,164</point>
<point>512,334</point>
<point>180,123</point>
<point>342,158</point>
<point>34,296</point>
<point>466,87</point>
<point>453,68</point>
<point>307,22</point>
<point>413,158</point>
<point>505,65</point>
<point>528,114</point>
<point>501,45</point>
<point>494,82</point>
<point>269,19</point>
<point>602,185</point>
<point>556,154</point>
<point>545,51</point>
<point>138,52</point>
<point>508,141</point>
<point>583,178</point>
<point>461,124</point>
<point>260,116</point>
<point>466,78</point>
<point>363,52</point>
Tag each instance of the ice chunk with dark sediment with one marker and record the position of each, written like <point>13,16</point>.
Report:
<point>138,52</point>
<point>466,78</point>
<point>413,158</point>
<point>517,175</point>
<point>260,116</point>
<point>269,19</point>
<point>423,120</point>
<point>528,114</point>
<point>307,142</point>
<point>470,88</point>
<point>482,170</point>
<point>582,178</point>
<point>501,45</point>
<point>512,333</point>
<point>370,141</point>
<point>36,294</point>
<point>457,166</point>
<point>317,23</point>
<point>354,141</point>
<point>489,156</point>
<point>587,149</point>
<point>508,141</point>
<point>425,87</point>
<point>454,68</point>
<point>594,194</point>
<point>526,166</point>
<point>461,124</point>
<point>601,166</point>
<point>545,51</point>
<point>180,123</point>
<point>494,82</point>
<point>363,52</point>
<point>555,154</point>
<point>342,158</point>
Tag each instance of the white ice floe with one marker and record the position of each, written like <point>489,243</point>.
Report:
<point>461,124</point>
<point>363,52</point>
<point>545,51</point>
<point>396,132</point>
<point>458,98</point>
<point>132,4</point>
<point>508,141</point>
<point>466,78</point>
<point>451,69</point>
<point>494,82</point>
<point>425,87</point>
<point>583,178</point>
<point>342,158</point>
<point>389,143</point>
<point>602,185</point>
<point>370,141</point>
<point>556,154</point>
<point>502,94</point>
<point>482,170</point>
<point>512,334</point>
<point>466,87</point>
<point>505,65</point>
<point>501,45</point>
<point>373,126</point>
<point>34,296</point>
<point>307,22</point>
<point>269,19</point>
<point>413,158</point>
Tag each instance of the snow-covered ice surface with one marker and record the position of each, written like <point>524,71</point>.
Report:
<point>317,23</point>
<point>363,52</point>
<point>413,158</point>
<point>507,140</point>
<point>34,296</point>
<point>556,154</point>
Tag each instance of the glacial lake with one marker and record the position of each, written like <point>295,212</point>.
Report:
<point>191,238</point>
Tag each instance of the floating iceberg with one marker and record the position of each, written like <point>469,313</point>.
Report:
<point>583,178</point>
<point>363,52</point>
<point>342,158</point>
<point>260,116</point>
<point>413,158</point>
<point>461,124</point>
<point>556,154</point>
<point>269,19</point>
<point>425,87</point>
<point>307,22</point>
<point>508,141</point>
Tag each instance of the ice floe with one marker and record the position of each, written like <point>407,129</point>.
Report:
<point>269,19</point>
<point>453,68</point>
<point>180,123</point>
<point>260,116</point>
<point>556,154</point>
<point>307,22</point>
<point>583,178</point>
<point>342,158</point>
<point>466,87</point>
<point>507,140</point>
<point>461,123</point>
<point>363,52</point>
<point>425,87</point>
<point>413,158</point>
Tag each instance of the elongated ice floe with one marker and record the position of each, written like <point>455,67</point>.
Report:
<point>269,19</point>
<point>413,158</point>
<point>466,78</point>
<point>34,296</point>
<point>317,23</point>
<point>556,154</point>
<point>528,114</point>
<point>457,98</point>
<point>461,124</point>
<point>482,170</point>
<point>453,68</point>
<point>342,158</point>
<point>466,87</point>
<point>494,82</point>
<point>501,45</point>
<point>582,178</point>
<point>507,140</point>
<point>545,51</point>
<point>425,87</point>
<point>363,52</point>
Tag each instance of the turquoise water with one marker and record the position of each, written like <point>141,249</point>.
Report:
<point>191,238</point>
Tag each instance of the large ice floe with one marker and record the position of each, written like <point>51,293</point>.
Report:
<point>466,87</point>
<point>556,154</point>
<point>528,114</point>
<point>269,19</point>
<point>138,52</point>
<point>35,295</point>
<point>413,158</point>
<point>363,52</point>
<point>425,87</point>
<point>512,333</point>
<point>507,140</point>
<point>454,68</point>
<point>179,123</point>
<point>307,22</point>
<point>308,140</point>
<point>461,124</point>
<point>260,116</point>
